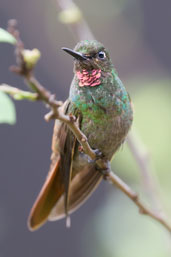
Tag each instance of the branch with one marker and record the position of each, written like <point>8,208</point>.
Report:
<point>134,197</point>
<point>56,112</point>
<point>18,94</point>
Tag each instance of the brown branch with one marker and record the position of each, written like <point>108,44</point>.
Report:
<point>134,197</point>
<point>57,113</point>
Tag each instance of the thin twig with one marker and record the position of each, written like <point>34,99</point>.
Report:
<point>18,94</point>
<point>134,197</point>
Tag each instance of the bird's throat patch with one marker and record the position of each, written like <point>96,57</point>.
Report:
<point>89,78</point>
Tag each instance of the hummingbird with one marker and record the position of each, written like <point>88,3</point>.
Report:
<point>103,111</point>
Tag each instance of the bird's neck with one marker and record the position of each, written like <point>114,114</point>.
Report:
<point>90,89</point>
<point>90,78</point>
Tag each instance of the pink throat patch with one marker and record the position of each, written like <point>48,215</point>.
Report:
<point>89,78</point>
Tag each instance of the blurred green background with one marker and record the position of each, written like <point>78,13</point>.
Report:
<point>137,34</point>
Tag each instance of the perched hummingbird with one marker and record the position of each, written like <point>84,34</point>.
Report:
<point>102,107</point>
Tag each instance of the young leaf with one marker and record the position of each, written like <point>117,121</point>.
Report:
<point>6,37</point>
<point>7,110</point>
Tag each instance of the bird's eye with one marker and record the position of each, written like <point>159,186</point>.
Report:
<point>101,55</point>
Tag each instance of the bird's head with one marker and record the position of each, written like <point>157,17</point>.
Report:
<point>90,54</point>
<point>91,59</point>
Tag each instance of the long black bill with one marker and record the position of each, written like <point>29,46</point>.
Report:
<point>75,54</point>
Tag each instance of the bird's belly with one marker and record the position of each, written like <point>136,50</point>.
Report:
<point>107,133</point>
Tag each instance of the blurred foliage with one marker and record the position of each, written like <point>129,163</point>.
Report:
<point>6,37</point>
<point>119,229</point>
<point>7,110</point>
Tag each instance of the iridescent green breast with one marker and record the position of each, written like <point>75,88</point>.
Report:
<point>106,113</point>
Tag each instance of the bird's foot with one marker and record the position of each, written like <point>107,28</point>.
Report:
<point>98,154</point>
<point>105,171</point>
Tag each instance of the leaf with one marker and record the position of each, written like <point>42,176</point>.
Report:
<point>6,37</point>
<point>7,110</point>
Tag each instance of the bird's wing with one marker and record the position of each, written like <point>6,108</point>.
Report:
<point>82,183</point>
<point>64,189</point>
<point>57,180</point>
<point>82,186</point>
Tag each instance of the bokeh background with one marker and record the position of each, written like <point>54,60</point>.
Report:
<point>137,33</point>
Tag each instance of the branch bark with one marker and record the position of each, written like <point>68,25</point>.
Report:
<point>135,198</point>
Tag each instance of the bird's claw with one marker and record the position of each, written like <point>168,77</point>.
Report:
<point>105,172</point>
<point>98,154</point>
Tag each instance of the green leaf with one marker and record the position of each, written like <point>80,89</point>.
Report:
<point>6,37</point>
<point>7,110</point>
